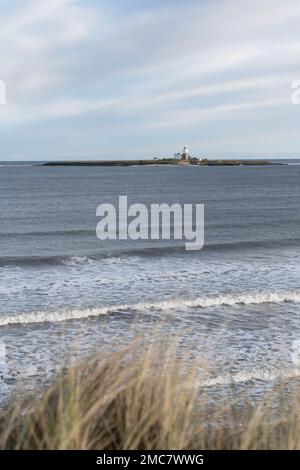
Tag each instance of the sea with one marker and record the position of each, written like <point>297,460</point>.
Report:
<point>65,294</point>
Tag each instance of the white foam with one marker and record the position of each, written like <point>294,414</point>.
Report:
<point>77,260</point>
<point>200,302</point>
<point>251,375</point>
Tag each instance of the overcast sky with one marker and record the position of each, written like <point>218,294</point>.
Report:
<point>143,78</point>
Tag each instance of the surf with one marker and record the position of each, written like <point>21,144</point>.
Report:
<point>163,306</point>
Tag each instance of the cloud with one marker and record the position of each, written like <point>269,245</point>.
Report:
<point>164,66</point>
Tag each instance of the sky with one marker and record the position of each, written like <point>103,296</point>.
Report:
<point>114,79</point>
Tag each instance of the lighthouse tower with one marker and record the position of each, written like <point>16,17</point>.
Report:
<point>185,154</point>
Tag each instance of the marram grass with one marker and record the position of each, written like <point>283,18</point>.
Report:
<point>144,398</point>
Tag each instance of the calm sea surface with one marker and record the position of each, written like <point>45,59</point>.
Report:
<point>236,302</point>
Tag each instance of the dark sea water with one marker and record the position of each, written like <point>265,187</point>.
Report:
<point>64,292</point>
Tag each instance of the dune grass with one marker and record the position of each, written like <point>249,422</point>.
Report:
<point>144,398</point>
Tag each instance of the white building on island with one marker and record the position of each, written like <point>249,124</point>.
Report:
<point>185,154</point>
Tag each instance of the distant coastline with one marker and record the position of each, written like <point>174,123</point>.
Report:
<point>162,161</point>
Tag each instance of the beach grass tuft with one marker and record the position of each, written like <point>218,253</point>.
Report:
<point>145,398</point>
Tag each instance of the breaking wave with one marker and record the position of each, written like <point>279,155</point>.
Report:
<point>146,252</point>
<point>200,302</point>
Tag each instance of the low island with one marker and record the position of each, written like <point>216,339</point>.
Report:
<point>183,159</point>
<point>161,161</point>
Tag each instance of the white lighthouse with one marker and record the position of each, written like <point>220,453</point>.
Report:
<point>185,154</point>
